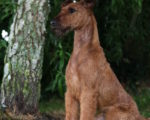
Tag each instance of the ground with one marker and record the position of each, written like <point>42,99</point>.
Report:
<point>55,107</point>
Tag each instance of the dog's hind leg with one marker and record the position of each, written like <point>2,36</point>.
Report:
<point>121,112</point>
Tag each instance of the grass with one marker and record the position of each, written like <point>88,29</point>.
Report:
<point>142,99</point>
<point>56,106</point>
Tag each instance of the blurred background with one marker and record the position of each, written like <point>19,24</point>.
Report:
<point>124,30</point>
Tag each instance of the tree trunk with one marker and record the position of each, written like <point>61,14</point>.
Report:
<point>20,90</point>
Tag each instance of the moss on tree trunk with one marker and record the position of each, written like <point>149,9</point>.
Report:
<point>20,90</point>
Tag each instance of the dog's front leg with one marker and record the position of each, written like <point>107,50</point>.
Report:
<point>72,107</point>
<point>88,105</point>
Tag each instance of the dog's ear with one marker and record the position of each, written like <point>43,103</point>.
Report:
<point>88,3</point>
<point>66,2</point>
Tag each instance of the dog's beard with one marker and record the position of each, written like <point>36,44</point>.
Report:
<point>61,31</point>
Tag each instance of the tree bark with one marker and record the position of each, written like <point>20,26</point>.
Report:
<point>20,90</point>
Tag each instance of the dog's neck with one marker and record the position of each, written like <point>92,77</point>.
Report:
<point>87,36</point>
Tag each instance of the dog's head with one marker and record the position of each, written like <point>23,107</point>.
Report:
<point>73,15</point>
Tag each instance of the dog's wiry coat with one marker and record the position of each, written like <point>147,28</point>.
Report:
<point>91,83</point>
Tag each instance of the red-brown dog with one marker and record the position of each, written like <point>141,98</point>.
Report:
<point>91,83</point>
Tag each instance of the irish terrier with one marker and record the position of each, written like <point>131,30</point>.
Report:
<point>91,83</point>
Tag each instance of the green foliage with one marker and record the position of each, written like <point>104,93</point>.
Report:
<point>142,99</point>
<point>124,33</point>
<point>7,9</point>
<point>3,46</point>
<point>54,105</point>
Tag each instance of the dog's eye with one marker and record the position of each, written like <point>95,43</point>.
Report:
<point>72,10</point>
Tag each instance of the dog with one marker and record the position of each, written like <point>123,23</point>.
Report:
<point>91,83</point>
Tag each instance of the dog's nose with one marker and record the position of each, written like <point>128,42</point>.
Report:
<point>53,23</point>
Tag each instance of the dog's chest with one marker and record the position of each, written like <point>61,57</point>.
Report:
<point>72,78</point>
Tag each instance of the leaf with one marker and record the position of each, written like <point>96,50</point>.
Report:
<point>60,87</point>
